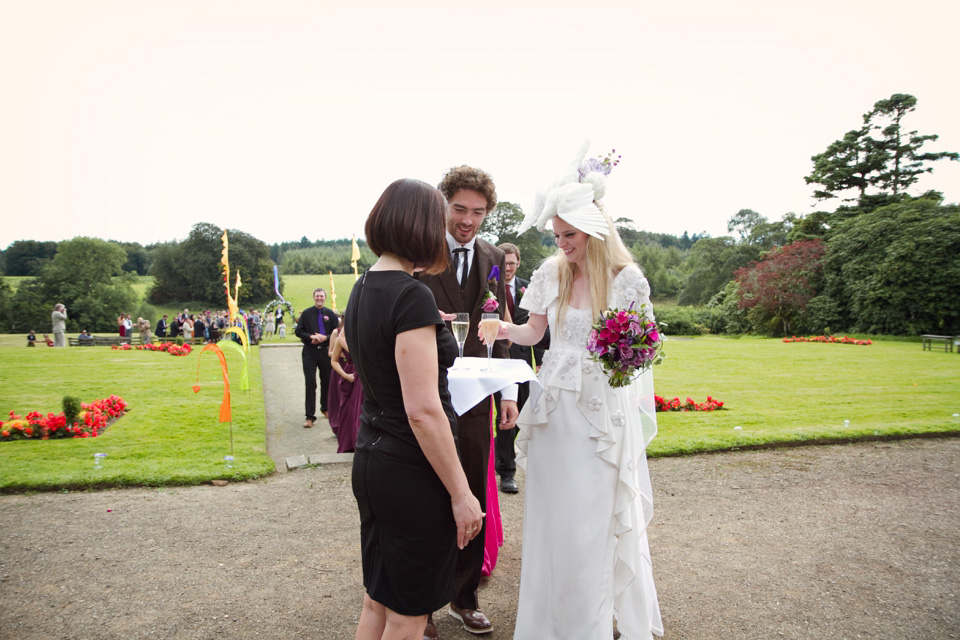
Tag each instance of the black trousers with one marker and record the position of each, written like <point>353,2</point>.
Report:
<point>474,446</point>
<point>315,358</point>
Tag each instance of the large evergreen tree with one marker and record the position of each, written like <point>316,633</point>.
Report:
<point>890,162</point>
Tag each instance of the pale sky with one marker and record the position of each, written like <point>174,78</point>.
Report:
<point>133,120</point>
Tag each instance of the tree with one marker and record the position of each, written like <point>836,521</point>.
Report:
<point>191,270</point>
<point>86,275</point>
<point>848,163</point>
<point>501,226</point>
<point>777,288</point>
<point>896,269</point>
<point>28,257</point>
<point>890,163</point>
<point>711,265</point>
<point>901,149</point>
<point>744,221</point>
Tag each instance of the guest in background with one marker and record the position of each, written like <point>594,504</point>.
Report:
<point>349,396</point>
<point>32,338</point>
<point>504,445</point>
<point>143,326</point>
<point>313,329</point>
<point>162,327</point>
<point>187,328</point>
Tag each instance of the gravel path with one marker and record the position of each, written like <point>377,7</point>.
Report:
<point>841,541</point>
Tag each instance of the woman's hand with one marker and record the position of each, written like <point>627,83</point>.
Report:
<point>469,518</point>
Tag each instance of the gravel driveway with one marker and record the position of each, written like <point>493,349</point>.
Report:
<point>843,541</point>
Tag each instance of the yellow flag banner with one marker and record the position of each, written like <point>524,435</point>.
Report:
<point>354,256</point>
<point>333,294</point>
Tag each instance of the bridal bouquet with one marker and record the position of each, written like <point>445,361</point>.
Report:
<point>625,343</point>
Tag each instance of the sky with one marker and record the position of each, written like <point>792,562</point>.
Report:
<point>133,121</point>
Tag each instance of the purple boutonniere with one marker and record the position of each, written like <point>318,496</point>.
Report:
<point>489,303</point>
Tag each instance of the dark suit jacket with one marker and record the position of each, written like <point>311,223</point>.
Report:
<point>450,299</point>
<point>521,352</point>
<point>307,326</point>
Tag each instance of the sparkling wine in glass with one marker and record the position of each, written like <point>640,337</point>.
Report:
<point>489,326</point>
<point>460,325</point>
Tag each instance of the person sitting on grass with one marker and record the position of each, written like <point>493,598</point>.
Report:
<point>47,339</point>
<point>32,338</point>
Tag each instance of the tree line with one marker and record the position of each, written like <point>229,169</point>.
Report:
<point>885,261</point>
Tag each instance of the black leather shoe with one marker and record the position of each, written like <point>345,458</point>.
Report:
<point>509,485</point>
<point>473,620</point>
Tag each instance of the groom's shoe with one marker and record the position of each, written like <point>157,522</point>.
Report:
<point>509,485</point>
<point>473,620</point>
<point>430,632</point>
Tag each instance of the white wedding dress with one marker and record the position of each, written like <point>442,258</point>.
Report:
<point>588,498</point>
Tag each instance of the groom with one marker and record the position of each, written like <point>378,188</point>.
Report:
<point>471,195</point>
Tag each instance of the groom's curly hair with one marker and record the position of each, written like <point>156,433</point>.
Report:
<point>466,177</point>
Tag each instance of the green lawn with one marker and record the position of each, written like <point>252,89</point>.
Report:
<point>169,436</point>
<point>776,393</point>
<point>780,392</point>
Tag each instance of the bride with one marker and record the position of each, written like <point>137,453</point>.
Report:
<point>588,498</point>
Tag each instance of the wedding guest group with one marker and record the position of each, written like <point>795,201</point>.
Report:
<point>313,329</point>
<point>417,506</point>
<point>585,557</point>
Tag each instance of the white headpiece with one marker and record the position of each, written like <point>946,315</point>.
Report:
<point>573,195</point>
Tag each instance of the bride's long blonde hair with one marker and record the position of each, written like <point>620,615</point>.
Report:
<point>605,259</point>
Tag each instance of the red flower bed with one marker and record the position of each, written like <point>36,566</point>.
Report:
<point>831,339</point>
<point>712,404</point>
<point>170,347</point>
<point>93,419</point>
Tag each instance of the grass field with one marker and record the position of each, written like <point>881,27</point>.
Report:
<point>776,393</point>
<point>170,435</point>
<point>779,392</point>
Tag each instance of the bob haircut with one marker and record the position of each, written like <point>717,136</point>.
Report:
<point>409,220</point>
<point>465,177</point>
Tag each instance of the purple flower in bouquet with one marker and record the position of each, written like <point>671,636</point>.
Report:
<point>625,342</point>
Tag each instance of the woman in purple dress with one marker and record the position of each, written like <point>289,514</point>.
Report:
<point>349,396</point>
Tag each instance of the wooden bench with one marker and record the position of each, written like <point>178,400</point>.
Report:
<point>929,339</point>
<point>192,341</point>
<point>99,341</point>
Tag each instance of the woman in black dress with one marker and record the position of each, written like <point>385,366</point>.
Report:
<point>416,508</point>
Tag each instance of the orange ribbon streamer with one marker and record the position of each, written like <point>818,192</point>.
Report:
<point>225,404</point>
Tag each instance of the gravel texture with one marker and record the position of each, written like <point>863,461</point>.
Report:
<point>840,541</point>
<point>844,541</point>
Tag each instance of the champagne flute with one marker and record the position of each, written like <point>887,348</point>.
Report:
<point>489,326</point>
<point>460,325</point>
